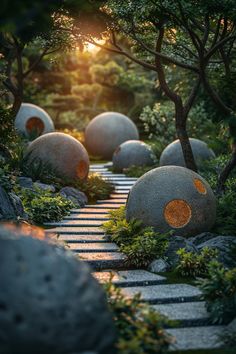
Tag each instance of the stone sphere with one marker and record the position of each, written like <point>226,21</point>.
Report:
<point>173,154</point>
<point>132,153</point>
<point>63,153</point>
<point>32,119</point>
<point>49,301</point>
<point>173,198</point>
<point>107,131</point>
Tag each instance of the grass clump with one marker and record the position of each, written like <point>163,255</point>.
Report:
<point>192,264</point>
<point>43,206</point>
<point>140,244</point>
<point>95,187</point>
<point>219,292</point>
<point>140,328</point>
<point>137,171</point>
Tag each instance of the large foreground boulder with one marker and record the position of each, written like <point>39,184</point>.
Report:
<point>107,131</point>
<point>173,154</point>
<point>173,198</point>
<point>60,152</point>
<point>33,120</point>
<point>132,153</point>
<point>49,301</point>
<point>11,206</point>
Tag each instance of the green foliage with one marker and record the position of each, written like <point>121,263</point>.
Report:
<point>195,264</point>
<point>137,171</point>
<point>95,187</point>
<point>140,244</point>
<point>7,179</point>
<point>43,206</point>
<point>219,292</point>
<point>140,328</point>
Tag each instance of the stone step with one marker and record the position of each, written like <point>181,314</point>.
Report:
<point>93,247</point>
<point>72,238</point>
<point>102,206</point>
<point>123,188</point>
<point>104,260</point>
<point>107,174</point>
<point>80,231</point>
<point>121,179</point>
<point>163,294</point>
<point>122,191</point>
<point>124,183</point>
<point>129,277</point>
<point>187,313</point>
<point>196,338</point>
<point>88,216</point>
<point>75,223</point>
<point>113,201</point>
<point>102,169</point>
<point>92,210</point>
<point>119,196</point>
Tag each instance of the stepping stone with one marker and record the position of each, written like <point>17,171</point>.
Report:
<point>117,179</point>
<point>170,293</point>
<point>187,313</point>
<point>88,216</point>
<point>97,165</point>
<point>104,260</point>
<point>119,196</point>
<point>125,192</point>
<point>124,183</point>
<point>113,201</point>
<point>102,206</point>
<point>105,174</point>
<point>90,210</point>
<point>196,338</point>
<point>102,169</point>
<point>123,188</point>
<point>72,238</point>
<point>129,278</point>
<point>76,223</point>
<point>93,247</point>
<point>80,231</point>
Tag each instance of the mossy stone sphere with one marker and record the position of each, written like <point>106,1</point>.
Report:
<point>49,301</point>
<point>107,131</point>
<point>173,198</point>
<point>33,120</point>
<point>66,155</point>
<point>173,154</point>
<point>132,153</point>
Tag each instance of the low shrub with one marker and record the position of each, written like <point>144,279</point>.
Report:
<point>140,328</point>
<point>140,244</point>
<point>137,171</point>
<point>219,292</point>
<point>95,187</point>
<point>195,264</point>
<point>43,206</point>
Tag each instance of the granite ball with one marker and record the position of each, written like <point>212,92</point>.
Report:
<point>49,301</point>
<point>107,131</point>
<point>132,153</point>
<point>66,155</point>
<point>173,198</point>
<point>33,120</point>
<point>173,154</point>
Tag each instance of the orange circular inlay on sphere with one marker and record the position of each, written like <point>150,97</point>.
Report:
<point>35,124</point>
<point>199,186</point>
<point>82,169</point>
<point>177,213</point>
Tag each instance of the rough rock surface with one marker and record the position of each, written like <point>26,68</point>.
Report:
<point>49,301</point>
<point>25,182</point>
<point>173,198</point>
<point>73,194</point>
<point>173,154</point>
<point>223,244</point>
<point>203,237</point>
<point>44,187</point>
<point>6,208</point>
<point>175,244</point>
<point>107,131</point>
<point>132,153</point>
<point>17,206</point>
<point>158,266</point>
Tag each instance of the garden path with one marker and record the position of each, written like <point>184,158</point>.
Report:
<point>82,231</point>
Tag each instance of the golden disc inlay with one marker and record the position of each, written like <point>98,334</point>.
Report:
<point>177,213</point>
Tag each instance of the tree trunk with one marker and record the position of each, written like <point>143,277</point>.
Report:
<point>180,123</point>
<point>227,170</point>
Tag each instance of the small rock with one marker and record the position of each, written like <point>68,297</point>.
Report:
<point>158,266</point>
<point>44,187</point>
<point>223,244</point>
<point>73,194</point>
<point>18,206</point>
<point>203,237</point>
<point>6,208</point>
<point>25,182</point>
<point>177,242</point>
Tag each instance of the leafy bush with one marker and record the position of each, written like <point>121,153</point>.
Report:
<point>137,171</point>
<point>43,206</point>
<point>140,328</point>
<point>95,187</point>
<point>195,264</point>
<point>140,244</point>
<point>219,292</point>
